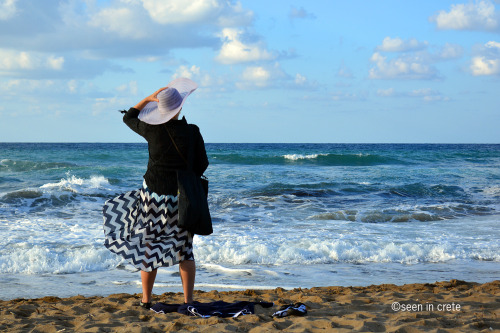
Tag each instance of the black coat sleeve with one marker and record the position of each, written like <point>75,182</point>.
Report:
<point>200,155</point>
<point>131,120</point>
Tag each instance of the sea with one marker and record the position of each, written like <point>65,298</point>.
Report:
<point>284,215</point>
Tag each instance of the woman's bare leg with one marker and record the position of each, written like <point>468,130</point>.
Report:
<point>187,269</point>
<point>148,280</point>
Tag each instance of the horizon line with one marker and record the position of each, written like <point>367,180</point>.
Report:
<point>332,143</point>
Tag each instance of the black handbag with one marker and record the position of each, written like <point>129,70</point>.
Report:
<point>194,214</point>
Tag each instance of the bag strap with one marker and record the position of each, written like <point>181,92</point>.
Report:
<point>177,148</point>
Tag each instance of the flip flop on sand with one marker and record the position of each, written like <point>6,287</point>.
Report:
<point>297,309</point>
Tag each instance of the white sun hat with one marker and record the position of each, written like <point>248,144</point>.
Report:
<point>169,103</point>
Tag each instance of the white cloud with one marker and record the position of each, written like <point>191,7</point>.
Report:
<point>408,67</point>
<point>389,92</point>
<point>413,60</point>
<point>235,15</point>
<point>104,29</point>
<point>148,59</point>
<point>258,77</point>
<point>487,61</point>
<point>104,104</point>
<point>123,21</point>
<point>55,63</point>
<point>72,86</point>
<point>493,45</point>
<point>300,79</point>
<point>115,100</point>
<point>428,95</point>
<point>88,35</point>
<point>29,89</point>
<point>344,72</point>
<point>299,82</point>
<point>425,94</point>
<point>344,96</point>
<point>479,15</point>
<point>7,9</point>
<point>174,11</point>
<point>234,50</point>
<point>13,60</point>
<point>164,24</point>
<point>185,71</point>
<point>39,89</point>
<point>412,45</point>
<point>300,13</point>
<point>130,88</point>
<point>450,51</point>
<point>39,65</point>
<point>273,76</point>
<point>398,45</point>
<point>64,96</point>
<point>223,13</point>
<point>200,76</point>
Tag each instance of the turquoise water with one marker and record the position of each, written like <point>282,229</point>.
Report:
<point>288,215</point>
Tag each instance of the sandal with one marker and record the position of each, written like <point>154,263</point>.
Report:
<point>146,305</point>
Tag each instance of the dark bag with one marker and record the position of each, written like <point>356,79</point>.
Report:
<point>194,214</point>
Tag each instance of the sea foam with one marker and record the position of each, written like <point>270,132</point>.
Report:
<point>79,185</point>
<point>295,157</point>
<point>26,258</point>
<point>245,250</point>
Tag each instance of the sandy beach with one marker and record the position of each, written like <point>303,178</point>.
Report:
<point>451,306</point>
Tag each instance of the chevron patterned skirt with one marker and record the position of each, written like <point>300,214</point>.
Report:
<point>141,226</point>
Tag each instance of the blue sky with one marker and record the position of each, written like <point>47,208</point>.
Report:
<point>268,71</point>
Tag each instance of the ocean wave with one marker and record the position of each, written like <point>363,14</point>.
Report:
<point>21,194</point>
<point>452,193</point>
<point>61,246</point>
<point>213,254</point>
<point>26,258</point>
<point>295,157</point>
<point>79,185</point>
<point>420,190</point>
<point>321,159</point>
<point>68,191</point>
<point>26,166</point>
<point>246,250</point>
<point>493,191</point>
<point>414,214</point>
<point>322,189</point>
<point>228,271</point>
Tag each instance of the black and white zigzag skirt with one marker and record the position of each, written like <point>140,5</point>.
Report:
<point>141,226</point>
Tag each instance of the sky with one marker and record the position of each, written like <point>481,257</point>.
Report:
<point>321,71</point>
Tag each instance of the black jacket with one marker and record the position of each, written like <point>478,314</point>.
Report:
<point>164,159</point>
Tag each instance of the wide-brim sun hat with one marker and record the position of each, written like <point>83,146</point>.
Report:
<point>170,102</point>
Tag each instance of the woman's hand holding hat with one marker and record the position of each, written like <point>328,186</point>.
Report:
<point>154,95</point>
<point>151,98</point>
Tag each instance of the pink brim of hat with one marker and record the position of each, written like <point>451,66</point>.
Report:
<point>153,115</point>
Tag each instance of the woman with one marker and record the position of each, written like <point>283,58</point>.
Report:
<point>147,235</point>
